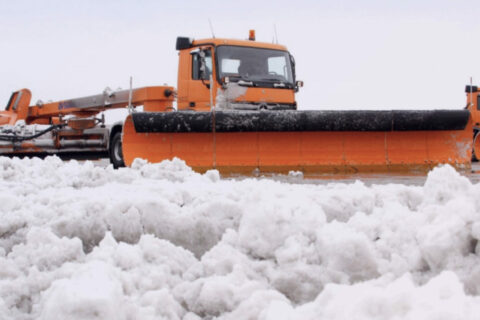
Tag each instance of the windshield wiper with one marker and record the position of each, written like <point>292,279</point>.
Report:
<point>282,84</point>
<point>277,83</point>
<point>245,83</point>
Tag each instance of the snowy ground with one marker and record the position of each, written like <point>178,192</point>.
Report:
<point>80,241</point>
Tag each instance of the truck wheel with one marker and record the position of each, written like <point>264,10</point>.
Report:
<point>476,147</point>
<point>116,154</point>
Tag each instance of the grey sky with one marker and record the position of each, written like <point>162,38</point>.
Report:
<point>351,54</point>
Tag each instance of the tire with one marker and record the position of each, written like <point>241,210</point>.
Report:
<point>476,140</point>
<point>116,154</point>
<point>475,146</point>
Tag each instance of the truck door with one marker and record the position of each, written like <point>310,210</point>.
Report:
<point>199,84</point>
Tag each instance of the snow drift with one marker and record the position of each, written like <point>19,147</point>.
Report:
<point>159,241</point>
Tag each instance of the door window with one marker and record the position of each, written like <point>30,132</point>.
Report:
<point>197,65</point>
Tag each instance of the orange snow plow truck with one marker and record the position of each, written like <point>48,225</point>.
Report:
<point>236,112</point>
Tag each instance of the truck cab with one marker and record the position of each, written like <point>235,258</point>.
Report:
<point>235,74</point>
<point>473,105</point>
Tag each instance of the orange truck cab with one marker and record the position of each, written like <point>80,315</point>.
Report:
<point>235,74</point>
<point>473,105</point>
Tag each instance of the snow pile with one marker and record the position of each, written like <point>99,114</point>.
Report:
<point>159,241</point>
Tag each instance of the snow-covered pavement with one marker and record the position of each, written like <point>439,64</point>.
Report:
<point>159,241</point>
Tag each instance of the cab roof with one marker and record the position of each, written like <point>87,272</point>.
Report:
<point>242,43</point>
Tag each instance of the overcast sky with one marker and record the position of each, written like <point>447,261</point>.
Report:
<point>351,54</point>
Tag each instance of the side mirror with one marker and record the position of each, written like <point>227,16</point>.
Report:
<point>202,65</point>
<point>299,84</point>
<point>183,43</point>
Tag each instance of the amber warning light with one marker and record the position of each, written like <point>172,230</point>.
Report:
<point>251,35</point>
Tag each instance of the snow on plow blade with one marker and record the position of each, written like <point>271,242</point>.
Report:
<point>308,141</point>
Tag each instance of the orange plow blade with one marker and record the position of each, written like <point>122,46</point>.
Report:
<point>308,141</point>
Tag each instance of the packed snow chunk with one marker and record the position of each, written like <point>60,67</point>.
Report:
<point>175,170</point>
<point>13,227</point>
<point>222,259</point>
<point>449,214</point>
<point>162,261</point>
<point>125,225</point>
<point>476,234</point>
<point>7,169</point>
<point>5,311</point>
<point>15,169</point>
<point>297,248</point>
<point>349,255</point>
<point>83,219</point>
<point>270,219</point>
<point>86,175</point>
<point>442,297</point>
<point>300,275</point>
<point>213,175</point>
<point>255,306</point>
<point>208,297</point>
<point>300,282</point>
<point>9,204</point>
<point>196,227</point>
<point>277,310</point>
<point>216,295</point>
<point>444,184</point>
<point>127,256</point>
<point>392,230</point>
<point>444,240</point>
<point>160,252</point>
<point>45,250</point>
<point>94,292</point>
<point>341,201</point>
<point>160,303</point>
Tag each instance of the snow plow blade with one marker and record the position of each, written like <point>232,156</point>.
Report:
<point>308,141</point>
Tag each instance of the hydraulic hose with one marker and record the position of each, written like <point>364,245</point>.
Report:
<point>15,138</point>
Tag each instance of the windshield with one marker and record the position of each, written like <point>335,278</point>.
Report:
<point>254,64</point>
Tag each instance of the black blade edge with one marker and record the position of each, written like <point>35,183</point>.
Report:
<point>276,121</point>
